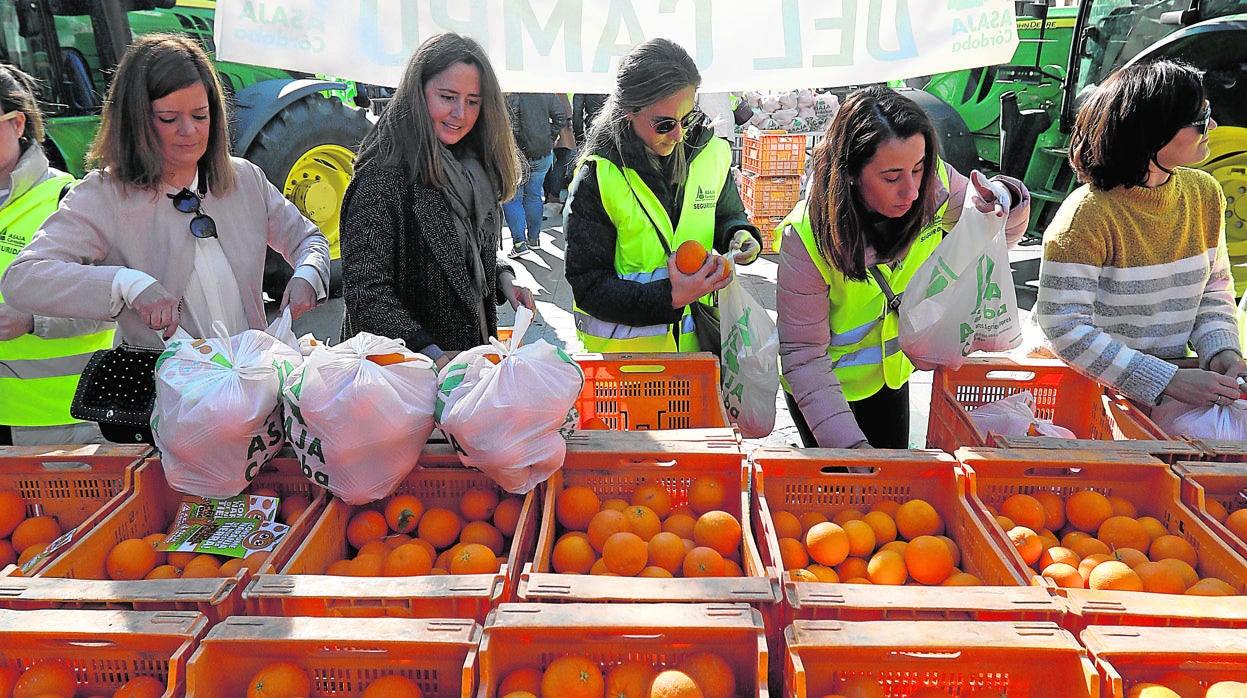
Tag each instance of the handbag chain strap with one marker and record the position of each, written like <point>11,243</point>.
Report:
<point>894,299</point>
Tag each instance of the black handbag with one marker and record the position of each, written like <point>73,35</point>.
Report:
<point>117,390</point>
<point>706,327</point>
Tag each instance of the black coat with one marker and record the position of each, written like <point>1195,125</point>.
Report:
<point>404,273</point>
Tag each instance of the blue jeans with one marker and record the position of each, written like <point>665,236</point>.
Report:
<point>524,211</point>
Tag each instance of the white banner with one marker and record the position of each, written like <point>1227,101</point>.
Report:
<point>574,45</point>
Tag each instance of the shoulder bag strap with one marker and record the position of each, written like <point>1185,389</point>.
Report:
<point>894,300</point>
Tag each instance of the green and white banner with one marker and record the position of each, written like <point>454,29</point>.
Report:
<point>575,45</point>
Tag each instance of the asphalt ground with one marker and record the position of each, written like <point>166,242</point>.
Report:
<point>542,271</point>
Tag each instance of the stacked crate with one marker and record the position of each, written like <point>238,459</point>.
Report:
<point>772,163</point>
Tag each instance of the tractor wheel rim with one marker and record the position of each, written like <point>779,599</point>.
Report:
<point>316,183</point>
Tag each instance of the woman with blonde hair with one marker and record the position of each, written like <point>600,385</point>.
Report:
<point>422,215</point>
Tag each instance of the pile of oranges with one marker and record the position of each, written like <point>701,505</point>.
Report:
<point>137,558</point>
<point>893,543</point>
<point>646,536</point>
<point>1103,543</point>
<point>288,680</point>
<point>700,675</point>
<point>23,537</point>
<point>401,538</point>
<point>54,679</point>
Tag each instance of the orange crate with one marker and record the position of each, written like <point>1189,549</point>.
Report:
<point>75,577</point>
<point>300,587</point>
<point>613,464</point>
<point>341,655</point>
<point>773,153</point>
<point>1170,451</point>
<point>996,474</point>
<point>632,392</point>
<point>804,480</point>
<point>1062,395</point>
<point>73,484</point>
<point>1020,659</point>
<point>1219,450</point>
<point>1127,656</point>
<point>519,636</point>
<point>1221,482</point>
<point>768,227</point>
<point>104,648</point>
<point>769,196</point>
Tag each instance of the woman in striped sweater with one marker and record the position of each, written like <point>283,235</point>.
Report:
<point>1135,272</point>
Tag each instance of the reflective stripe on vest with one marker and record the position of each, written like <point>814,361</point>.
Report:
<point>38,376</point>
<point>865,346</point>
<point>639,256</point>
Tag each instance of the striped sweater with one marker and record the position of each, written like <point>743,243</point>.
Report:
<point>1131,277</point>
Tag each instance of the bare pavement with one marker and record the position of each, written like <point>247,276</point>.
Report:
<point>542,271</point>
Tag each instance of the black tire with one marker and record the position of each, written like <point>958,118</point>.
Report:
<point>312,121</point>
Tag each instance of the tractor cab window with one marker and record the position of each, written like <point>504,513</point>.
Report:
<point>1117,30</point>
<point>30,53</point>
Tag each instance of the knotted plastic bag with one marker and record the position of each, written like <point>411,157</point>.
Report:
<point>359,413</point>
<point>505,408</point>
<point>217,417</point>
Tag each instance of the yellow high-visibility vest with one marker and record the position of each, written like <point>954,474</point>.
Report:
<point>639,256</point>
<point>38,376</point>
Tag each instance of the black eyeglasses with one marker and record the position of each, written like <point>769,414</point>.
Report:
<point>187,201</point>
<point>666,124</point>
<point>1202,122</point>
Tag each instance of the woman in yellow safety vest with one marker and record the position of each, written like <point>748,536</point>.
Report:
<point>40,357</point>
<point>880,200</point>
<point>651,176</point>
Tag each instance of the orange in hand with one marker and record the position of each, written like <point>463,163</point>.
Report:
<point>689,256</point>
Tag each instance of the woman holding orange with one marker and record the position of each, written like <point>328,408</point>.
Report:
<point>652,176</point>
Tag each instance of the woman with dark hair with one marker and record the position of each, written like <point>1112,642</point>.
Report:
<point>42,356</point>
<point>169,231</point>
<point>880,201</point>
<point>651,176</point>
<point>421,218</point>
<point>1134,267</point>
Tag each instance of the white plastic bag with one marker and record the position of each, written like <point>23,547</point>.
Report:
<point>750,360</point>
<point>358,414</point>
<point>1227,422</point>
<point>1015,416</point>
<point>961,298</point>
<point>217,417</point>
<point>505,408</point>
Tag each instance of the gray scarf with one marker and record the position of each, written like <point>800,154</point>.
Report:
<point>474,209</point>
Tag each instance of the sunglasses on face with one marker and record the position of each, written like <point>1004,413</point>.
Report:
<point>187,201</point>
<point>1202,122</point>
<point>666,124</point>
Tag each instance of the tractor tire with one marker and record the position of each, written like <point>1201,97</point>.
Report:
<point>307,151</point>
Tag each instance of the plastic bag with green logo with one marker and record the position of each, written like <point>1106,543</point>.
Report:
<point>961,299</point>
<point>506,408</point>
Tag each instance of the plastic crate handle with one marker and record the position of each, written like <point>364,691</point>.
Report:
<point>642,368</point>
<point>1008,375</point>
<point>652,462</point>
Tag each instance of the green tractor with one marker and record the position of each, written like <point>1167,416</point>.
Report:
<point>303,139</point>
<point>1019,116</point>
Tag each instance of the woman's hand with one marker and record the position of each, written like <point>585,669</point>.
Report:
<point>300,297</point>
<point>1228,363</point>
<point>14,323</point>
<point>158,309</point>
<point>515,294</point>
<point>988,194</point>
<point>745,246</point>
<point>687,288</point>
<point>1195,386</point>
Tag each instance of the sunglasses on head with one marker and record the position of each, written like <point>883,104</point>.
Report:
<point>666,124</point>
<point>1204,117</point>
<point>187,201</point>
